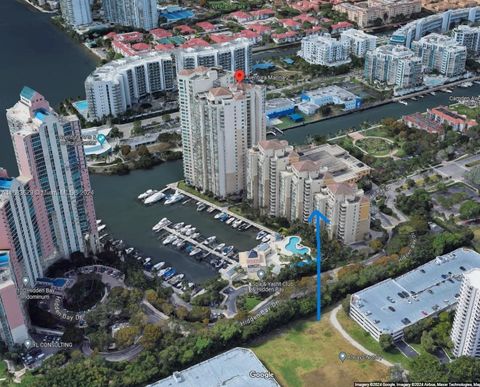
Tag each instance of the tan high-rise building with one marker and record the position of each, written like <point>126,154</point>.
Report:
<point>285,182</point>
<point>220,120</point>
<point>348,210</point>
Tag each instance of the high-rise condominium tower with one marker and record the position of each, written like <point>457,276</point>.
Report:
<point>132,13</point>
<point>50,153</point>
<point>13,326</point>
<point>466,326</point>
<point>220,120</point>
<point>76,12</point>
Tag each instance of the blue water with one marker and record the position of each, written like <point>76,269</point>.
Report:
<point>293,248</point>
<point>81,106</point>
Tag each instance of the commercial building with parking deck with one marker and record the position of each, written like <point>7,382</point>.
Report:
<point>392,305</point>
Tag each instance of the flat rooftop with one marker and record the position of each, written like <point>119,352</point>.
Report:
<point>340,163</point>
<point>230,369</point>
<point>394,304</point>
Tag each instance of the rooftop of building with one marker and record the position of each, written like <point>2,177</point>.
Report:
<point>357,33</point>
<point>198,48</point>
<point>324,39</point>
<point>273,144</point>
<point>340,164</point>
<point>395,50</point>
<point>439,39</point>
<point>423,122</point>
<point>394,304</point>
<point>473,277</point>
<point>229,369</point>
<point>276,103</point>
<point>332,90</point>
<point>110,70</point>
<point>447,114</point>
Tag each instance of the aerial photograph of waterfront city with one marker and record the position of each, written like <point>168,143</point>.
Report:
<point>240,193</point>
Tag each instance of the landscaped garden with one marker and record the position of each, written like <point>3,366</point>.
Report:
<point>84,294</point>
<point>376,146</point>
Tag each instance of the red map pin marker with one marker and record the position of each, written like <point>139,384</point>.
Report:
<point>239,75</point>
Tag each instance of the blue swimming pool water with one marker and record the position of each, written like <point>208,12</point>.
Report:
<point>81,105</point>
<point>293,248</point>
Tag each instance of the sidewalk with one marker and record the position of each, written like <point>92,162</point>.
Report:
<point>346,336</point>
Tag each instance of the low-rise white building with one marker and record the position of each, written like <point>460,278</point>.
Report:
<point>332,95</point>
<point>394,304</point>
<point>325,50</point>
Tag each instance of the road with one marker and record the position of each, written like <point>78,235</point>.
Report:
<point>346,336</point>
<point>232,296</point>
<point>126,354</point>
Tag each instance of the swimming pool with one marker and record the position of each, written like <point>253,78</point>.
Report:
<point>294,247</point>
<point>81,106</point>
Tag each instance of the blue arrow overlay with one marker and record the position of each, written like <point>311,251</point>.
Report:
<point>317,216</point>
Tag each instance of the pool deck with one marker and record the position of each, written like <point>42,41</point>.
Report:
<point>174,186</point>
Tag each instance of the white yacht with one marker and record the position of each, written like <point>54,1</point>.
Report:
<point>176,197</point>
<point>163,271</point>
<point>219,247</point>
<point>146,194</point>
<point>403,102</point>
<point>147,260</point>
<point>178,226</point>
<point>168,239</point>
<point>195,236</point>
<point>190,231</point>
<point>99,222</point>
<point>195,251</point>
<point>209,240</point>
<point>164,222</point>
<point>156,197</point>
<point>159,265</point>
<point>260,235</point>
<point>217,216</point>
<point>102,227</point>
<point>129,250</point>
<point>230,221</point>
<point>266,238</point>
<point>236,223</point>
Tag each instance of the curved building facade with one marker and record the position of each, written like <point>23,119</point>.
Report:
<point>440,23</point>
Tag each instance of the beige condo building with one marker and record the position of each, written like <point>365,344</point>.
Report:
<point>364,13</point>
<point>287,182</point>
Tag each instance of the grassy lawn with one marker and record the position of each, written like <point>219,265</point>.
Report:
<point>377,132</point>
<point>471,113</point>
<point>193,191</point>
<point>306,354</point>
<point>375,146</point>
<point>357,333</point>
<point>252,302</point>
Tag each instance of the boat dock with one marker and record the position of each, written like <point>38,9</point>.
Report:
<point>199,245</point>
<point>174,186</point>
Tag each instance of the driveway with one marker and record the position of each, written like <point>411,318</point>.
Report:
<point>406,349</point>
<point>346,336</point>
<point>231,301</point>
<point>442,356</point>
